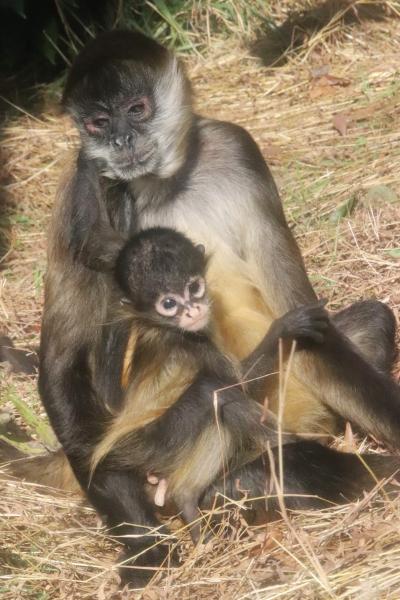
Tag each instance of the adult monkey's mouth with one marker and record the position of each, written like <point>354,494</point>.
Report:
<point>135,160</point>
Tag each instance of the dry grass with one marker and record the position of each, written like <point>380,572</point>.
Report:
<point>51,545</point>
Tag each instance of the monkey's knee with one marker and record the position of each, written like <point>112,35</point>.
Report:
<point>371,326</point>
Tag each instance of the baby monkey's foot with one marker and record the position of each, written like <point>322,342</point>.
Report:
<point>162,485</point>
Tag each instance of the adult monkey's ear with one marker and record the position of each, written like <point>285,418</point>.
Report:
<point>201,248</point>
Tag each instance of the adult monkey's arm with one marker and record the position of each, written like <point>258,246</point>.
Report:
<point>269,245</point>
<point>91,240</point>
<point>81,357</point>
<point>130,100</point>
<point>344,380</point>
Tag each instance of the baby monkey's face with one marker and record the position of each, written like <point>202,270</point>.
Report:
<point>162,274</point>
<point>188,309</point>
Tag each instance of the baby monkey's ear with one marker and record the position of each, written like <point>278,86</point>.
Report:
<point>206,257</point>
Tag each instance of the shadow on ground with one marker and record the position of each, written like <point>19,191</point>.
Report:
<point>276,43</point>
<point>5,224</point>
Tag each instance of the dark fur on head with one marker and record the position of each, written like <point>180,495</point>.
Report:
<point>155,261</point>
<point>131,102</point>
<point>106,54</point>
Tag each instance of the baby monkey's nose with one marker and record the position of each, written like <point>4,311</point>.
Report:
<point>192,310</point>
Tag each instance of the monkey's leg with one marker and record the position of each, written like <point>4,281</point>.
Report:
<point>76,415</point>
<point>314,476</point>
<point>305,325</point>
<point>157,446</point>
<point>336,378</point>
<point>317,389</point>
<point>327,476</point>
<point>121,497</point>
<point>354,388</point>
<point>191,516</point>
<point>371,326</point>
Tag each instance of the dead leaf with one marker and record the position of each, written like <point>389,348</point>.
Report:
<point>362,114</point>
<point>321,90</point>
<point>332,80</point>
<point>341,121</point>
<point>326,85</point>
<point>395,298</point>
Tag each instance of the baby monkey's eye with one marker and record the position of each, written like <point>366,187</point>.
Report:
<point>197,288</point>
<point>167,306</point>
<point>169,303</point>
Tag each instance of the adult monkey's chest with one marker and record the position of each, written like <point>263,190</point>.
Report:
<point>241,313</point>
<point>241,307</point>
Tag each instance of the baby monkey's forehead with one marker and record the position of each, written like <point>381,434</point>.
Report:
<point>175,282</point>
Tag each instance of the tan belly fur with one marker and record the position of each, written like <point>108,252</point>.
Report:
<point>242,319</point>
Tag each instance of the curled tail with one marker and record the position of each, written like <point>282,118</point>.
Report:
<point>51,469</point>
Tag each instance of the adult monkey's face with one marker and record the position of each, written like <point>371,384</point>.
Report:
<point>131,102</point>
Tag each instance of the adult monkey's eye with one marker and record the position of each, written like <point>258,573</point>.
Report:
<point>96,124</point>
<point>138,108</point>
<point>100,122</point>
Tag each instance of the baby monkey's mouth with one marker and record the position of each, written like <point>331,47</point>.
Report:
<point>198,323</point>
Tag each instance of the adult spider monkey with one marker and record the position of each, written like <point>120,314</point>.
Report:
<point>147,160</point>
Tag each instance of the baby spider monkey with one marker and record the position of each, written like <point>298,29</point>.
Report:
<point>182,438</point>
